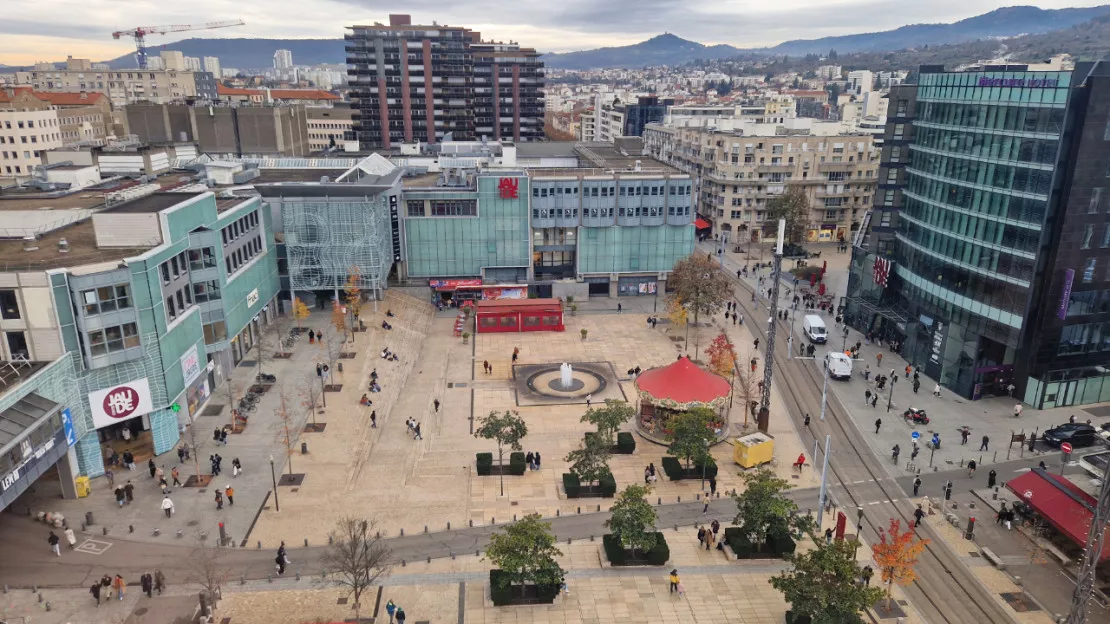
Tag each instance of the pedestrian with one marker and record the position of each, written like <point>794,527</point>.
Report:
<point>280,562</point>
<point>516,354</point>
<point>167,506</point>
<point>95,591</point>
<point>674,581</point>
<point>106,586</point>
<point>435,404</point>
<point>146,581</point>
<point>985,443</point>
<point>992,478</point>
<point>120,586</point>
<point>916,385</point>
<point>180,455</point>
<point>701,535</point>
<point>620,308</point>
<point>705,507</point>
<point>111,476</point>
<point>223,437</point>
<point>878,423</point>
<point>971,468</point>
<point>150,466</point>
<point>54,542</point>
<point>916,485</point>
<point>709,539</point>
<point>589,398</point>
<point>160,474</point>
<point>828,536</point>
<point>129,490</point>
<point>71,539</point>
<point>874,401</point>
<point>879,359</point>
<point>866,396</point>
<point>936,390</point>
<point>867,574</point>
<point>918,514</point>
<point>712,486</point>
<point>165,486</point>
<point>538,464</point>
<point>531,459</point>
<point>964,432</point>
<point>236,467</point>
<point>805,421</point>
<point>756,343</point>
<point>121,497</point>
<point>374,419</point>
<point>417,431</point>
<point>1017,410</point>
<point>159,581</point>
<point>400,615</point>
<point>312,338</point>
<point>485,366</point>
<point>390,608</point>
<point>219,500</point>
<point>229,492</point>
<point>176,474</point>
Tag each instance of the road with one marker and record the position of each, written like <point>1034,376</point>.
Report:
<point>946,591</point>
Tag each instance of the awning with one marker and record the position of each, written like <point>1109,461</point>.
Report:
<point>1061,503</point>
<point>701,224</point>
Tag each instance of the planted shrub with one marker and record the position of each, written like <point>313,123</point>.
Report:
<point>517,465</point>
<point>781,544</point>
<point>571,485</point>
<point>485,464</point>
<point>608,485</point>
<point>501,595</point>
<point>626,444</point>
<point>672,468</point>
<point>661,553</point>
<point>614,549</point>
<point>710,470</point>
<point>619,555</point>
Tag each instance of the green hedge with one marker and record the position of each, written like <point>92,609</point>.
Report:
<point>517,465</point>
<point>608,485</point>
<point>626,444</point>
<point>781,544</point>
<point>485,464</point>
<point>504,595</point>
<point>675,471</point>
<point>617,554</point>
<point>672,468</point>
<point>571,484</point>
<point>710,470</point>
<point>797,619</point>
<point>775,547</point>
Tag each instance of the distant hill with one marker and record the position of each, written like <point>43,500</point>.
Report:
<point>664,49</point>
<point>248,53</point>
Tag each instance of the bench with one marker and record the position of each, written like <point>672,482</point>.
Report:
<point>1059,554</point>
<point>989,555</point>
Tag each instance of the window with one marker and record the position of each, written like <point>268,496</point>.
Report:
<point>899,131</point>
<point>215,332</point>
<point>1096,199</point>
<point>1088,236</point>
<point>106,299</point>
<point>415,207</point>
<point>201,258</point>
<point>17,344</point>
<point>455,207</point>
<point>1106,237</point>
<point>901,108</point>
<point>9,304</point>
<point>895,153</point>
<point>1089,271</point>
<point>113,339</point>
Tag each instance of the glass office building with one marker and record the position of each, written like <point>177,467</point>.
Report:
<point>974,205</point>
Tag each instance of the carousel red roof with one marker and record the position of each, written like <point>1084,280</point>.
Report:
<point>683,382</point>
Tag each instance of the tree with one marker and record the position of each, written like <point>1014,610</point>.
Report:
<point>300,311</point>
<point>269,341</point>
<point>353,294</point>
<point>722,356</point>
<point>355,559</point>
<point>896,555</point>
<point>205,566</point>
<point>591,460</point>
<point>632,519</point>
<point>525,551</point>
<point>676,312</point>
<point>287,424</point>
<point>311,392</point>
<point>793,205</point>
<point>700,286</point>
<point>746,387</point>
<point>609,418</point>
<point>507,429</point>
<point>692,434</point>
<point>824,585</point>
<point>762,509</point>
<point>339,319</point>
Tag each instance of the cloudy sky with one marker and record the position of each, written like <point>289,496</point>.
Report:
<point>48,30</point>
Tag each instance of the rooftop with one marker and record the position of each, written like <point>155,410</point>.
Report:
<point>14,373</point>
<point>269,176</point>
<point>154,203</point>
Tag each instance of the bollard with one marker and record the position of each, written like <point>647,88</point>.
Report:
<point>130,528</point>
<point>331,540</point>
<point>452,553</point>
<point>242,580</point>
<point>89,518</point>
<point>514,517</point>
<point>402,531</point>
<point>579,509</point>
<point>429,559</point>
<point>304,448</point>
<point>269,578</point>
<point>448,525</point>
<point>994,494</point>
<point>697,497</point>
<point>298,575</point>
<point>378,535</point>
<point>180,534</point>
<point>659,501</point>
<point>105,529</point>
<point>568,541</point>
<point>425,528</point>
<point>557,514</point>
<point>493,520</point>
<point>402,563</point>
<point>40,598</point>
<point>680,499</point>
<point>83,527</point>
<point>477,553</point>
<point>591,538</point>
<point>306,542</point>
<point>259,546</point>
<point>34,589</point>
<point>5,588</point>
<point>676,527</point>
<point>472,523</point>
<point>223,534</point>
<point>970,528</point>
<point>599,507</point>
<point>157,532</point>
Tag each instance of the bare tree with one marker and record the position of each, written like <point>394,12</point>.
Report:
<point>269,343</point>
<point>287,414</point>
<point>311,391</point>
<point>195,445</point>
<point>206,566</point>
<point>746,384</point>
<point>332,349</point>
<point>355,559</point>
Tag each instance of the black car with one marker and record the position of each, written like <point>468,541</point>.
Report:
<point>1076,434</point>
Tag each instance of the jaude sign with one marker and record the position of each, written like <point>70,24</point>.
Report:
<point>1029,83</point>
<point>117,404</point>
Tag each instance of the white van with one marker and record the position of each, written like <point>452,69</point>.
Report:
<point>814,328</point>
<point>840,365</point>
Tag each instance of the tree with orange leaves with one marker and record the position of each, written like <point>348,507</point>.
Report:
<point>896,555</point>
<point>722,355</point>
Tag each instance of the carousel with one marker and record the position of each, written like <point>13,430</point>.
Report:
<point>679,387</point>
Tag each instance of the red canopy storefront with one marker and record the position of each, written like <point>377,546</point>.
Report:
<point>519,315</point>
<point>1061,503</point>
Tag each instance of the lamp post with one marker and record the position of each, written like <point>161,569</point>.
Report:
<point>859,530</point>
<point>890,399</point>
<point>704,463</point>
<point>844,347</point>
<point>273,475</point>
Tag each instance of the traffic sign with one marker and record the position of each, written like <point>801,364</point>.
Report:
<point>1065,447</point>
<point>915,435</point>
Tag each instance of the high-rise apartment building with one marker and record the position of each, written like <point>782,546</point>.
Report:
<point>192,63</point>
<point>173,60</point>
<point>414,83</point>
<point>986,256</point>
<point>212,65</point>
<point>283,59</point>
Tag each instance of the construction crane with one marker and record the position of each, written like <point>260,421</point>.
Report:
<point>139,35</point>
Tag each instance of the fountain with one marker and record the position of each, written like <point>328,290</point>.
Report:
<point>566,376</point>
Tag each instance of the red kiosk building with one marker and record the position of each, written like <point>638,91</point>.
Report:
<point>519,315</point>
<point>679,387</point>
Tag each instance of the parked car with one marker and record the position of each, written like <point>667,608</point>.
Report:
<point>1076,434</point>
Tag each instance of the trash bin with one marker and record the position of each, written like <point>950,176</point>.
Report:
<point>83,487</point>
<point>304,448</point>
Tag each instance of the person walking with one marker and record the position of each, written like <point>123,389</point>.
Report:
<point>874,400</point>
<point>936,390</point>
<point>180,455</point>
<point>916,485</point>
<point>111,476</point>
<point>374,419</point>
<point>620,308</point>
<point>589,399</point>
<point>867,574</point>
<point>674,580</point>
<point>709,539</point>
<point>129,490</point>
<point>485,366</point>
<point>120,586</point>
<point>160,473</point>
<point>879,359</point>
<point>985,443</point>
<point>971,469</point>
<point>229,492</point>
<point>992,478</point>
<point>176,474</point>
<point>54,542</point>
<point>236,467</point>
<point>167,506</point>
<point>701,535</point>
<point>918,514</point>
<point>712,486</point>
<point>435,404</point>
<point>390,608</point>
<point>531,460</point>
<point>95,591</point>
<point>828,536</point>
<point>159,581</point>
<point>71,539</point>
<point>805,422</point>
<point>964,432</point>
<point>866,396</point>
<point>1017,410</point>
<point>418,436</point>
<point>121,496</point>
<point>280,562</point>
<point>151,467</point>
<point>516,354</point>
<point>146,581</point>
<point>916,385</point>
<point>219,500</point>
<point>878,424</point>
<point>539,463</point>
<point>400,615</point>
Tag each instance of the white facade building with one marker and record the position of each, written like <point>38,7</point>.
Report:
<point>192,63</point>
<point>173,60</point>
<point>212,65</point>
<point>283,59</point>
<point>24,134</point>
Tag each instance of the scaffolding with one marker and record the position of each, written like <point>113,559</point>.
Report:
<point>326,236</point>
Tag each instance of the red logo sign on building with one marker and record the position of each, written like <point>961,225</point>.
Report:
<point>508,188</point>
<point>881,271</point>
<point>121,402</point>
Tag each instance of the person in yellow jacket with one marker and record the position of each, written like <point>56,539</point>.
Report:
<point>674,581</point>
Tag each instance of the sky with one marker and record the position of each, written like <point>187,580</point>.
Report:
<point>49,30</point>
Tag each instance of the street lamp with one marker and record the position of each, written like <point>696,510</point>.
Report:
<point>859,530</point>
<point>844,347</point>
<point>273,475</point>
<point>890,400</point>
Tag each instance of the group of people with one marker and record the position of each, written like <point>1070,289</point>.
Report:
<point>389,355</point>
<point>414,428</point>
<point>219,436</point>
<point>108,586</point>
<point>649,474</point>
<point>533,459</point>
<point>708,536</point>
<point>127,460</point>
<point>731,308</point>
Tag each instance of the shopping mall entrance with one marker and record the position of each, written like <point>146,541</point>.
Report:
<point>130,435</point>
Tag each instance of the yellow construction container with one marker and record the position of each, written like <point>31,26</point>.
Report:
<point>83,487</point>
<point>753,449</point>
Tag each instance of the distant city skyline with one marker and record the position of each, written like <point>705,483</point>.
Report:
<point>83,28</point>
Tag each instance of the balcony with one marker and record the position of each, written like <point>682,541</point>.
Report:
<point>775,168</point>
<point>837,166</point>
